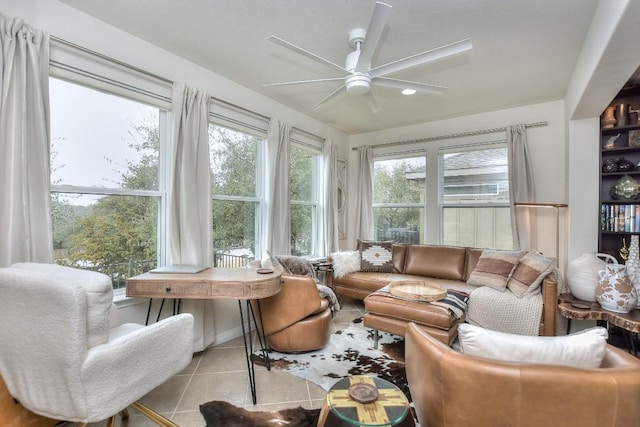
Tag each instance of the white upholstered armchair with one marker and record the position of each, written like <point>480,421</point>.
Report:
<point>62,355</point>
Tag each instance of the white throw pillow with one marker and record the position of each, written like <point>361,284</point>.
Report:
<point>345,262</point>
<point>584,349</point>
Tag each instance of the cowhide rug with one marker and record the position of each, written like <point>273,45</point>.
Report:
<point>223,414</point>
<point>218,414</point>
<point>349,352</point>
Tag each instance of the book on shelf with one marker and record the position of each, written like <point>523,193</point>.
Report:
<point>620,218</point>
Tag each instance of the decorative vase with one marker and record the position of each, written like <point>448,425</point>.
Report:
<point>614,291</point>
<point>622,114</point>
<point>582,274</point>
<point>633,264</point>
<point>609,119</point>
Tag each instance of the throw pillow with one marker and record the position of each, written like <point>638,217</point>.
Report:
<point>584,349</point>
<point>494,268</point>
<point>376,256</point>
<point>529,273</point>
<point>345,262</point>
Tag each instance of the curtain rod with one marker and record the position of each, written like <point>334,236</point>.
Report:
<point>453,135</point>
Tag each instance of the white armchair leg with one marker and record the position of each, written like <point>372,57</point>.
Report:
<point>153,415</point>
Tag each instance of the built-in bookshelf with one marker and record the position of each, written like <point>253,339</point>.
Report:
<point>619,162</point>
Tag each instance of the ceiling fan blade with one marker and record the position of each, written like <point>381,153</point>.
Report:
<point>406,84</point>
<point>374,33</point>
<point>423,58</point>
<point>328,97</point>
<point>298,82</point>
<point>373,103</point>
<point>301,51</point>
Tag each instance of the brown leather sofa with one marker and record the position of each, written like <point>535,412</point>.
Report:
<point>448,266</point>
<point>457,390</point>
<point>296,319</point>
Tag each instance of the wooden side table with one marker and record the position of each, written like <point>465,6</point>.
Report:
<point>573,308</point>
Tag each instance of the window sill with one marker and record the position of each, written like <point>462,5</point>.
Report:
<point>120,299</point>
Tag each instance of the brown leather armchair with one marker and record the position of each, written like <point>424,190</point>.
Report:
<point>296,319</point>
<point>458,390</point>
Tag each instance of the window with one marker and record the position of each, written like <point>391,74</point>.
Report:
<point>399,199</point>
<point>473,193</point>
<point>303,196</point>
<point>235,168</point>
<point>106,192</point>
<point>476,198</point>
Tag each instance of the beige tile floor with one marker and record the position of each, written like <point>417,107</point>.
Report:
<point>220,373</point>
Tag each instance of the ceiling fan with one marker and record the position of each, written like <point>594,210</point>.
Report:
<point>360,74</point>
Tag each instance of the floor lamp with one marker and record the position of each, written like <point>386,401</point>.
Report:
<point>557,207</point>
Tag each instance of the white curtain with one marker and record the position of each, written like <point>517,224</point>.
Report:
<point>190,229</point>
<point>521,187</point>
<point>25,221</point>
<point>330,233</point>
<point>277,230</point>
<point>364,195</point>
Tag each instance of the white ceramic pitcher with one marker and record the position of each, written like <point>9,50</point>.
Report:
<point>614,291</point>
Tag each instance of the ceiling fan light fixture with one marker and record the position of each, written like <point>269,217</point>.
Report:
<point>358,83</point>
<point>408,91</point>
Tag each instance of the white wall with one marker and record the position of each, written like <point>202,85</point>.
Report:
<point>71,25</point>
<point>546,148</point>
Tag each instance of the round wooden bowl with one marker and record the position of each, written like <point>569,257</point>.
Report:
<point>417,290</point>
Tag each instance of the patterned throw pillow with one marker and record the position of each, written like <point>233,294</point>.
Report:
<point>376,256</point>
<point>529,273</point>
<point>494,268</point>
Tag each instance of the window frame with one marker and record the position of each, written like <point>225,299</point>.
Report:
<point>423,206</point>
<point>433,223</point>
<point>259,198</point>
<point>316,191</point>
<point>76,65</point>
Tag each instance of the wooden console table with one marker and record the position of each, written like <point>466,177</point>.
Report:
<point>242,284</point>
<point>572,308</point>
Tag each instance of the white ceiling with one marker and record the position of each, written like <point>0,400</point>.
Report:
<point>524,51</point>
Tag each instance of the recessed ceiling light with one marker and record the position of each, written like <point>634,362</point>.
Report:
<point>408,91</point>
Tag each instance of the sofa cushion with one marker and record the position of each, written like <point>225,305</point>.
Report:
<point>376,256</point>
<point>383,303</point>
<point>584,349</point>
<point>529,273</point>
<point>441,262</point>
<point>345,262</point>
<point>494,268</point>
<point>399,251</point>
<point>473,255</point>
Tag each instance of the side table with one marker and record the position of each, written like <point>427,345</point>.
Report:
<point>389,409</point>
<point>324,266</point>
<point>572,308</point>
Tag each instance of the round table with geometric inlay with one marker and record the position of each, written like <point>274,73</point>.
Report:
<point>389,409</point>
